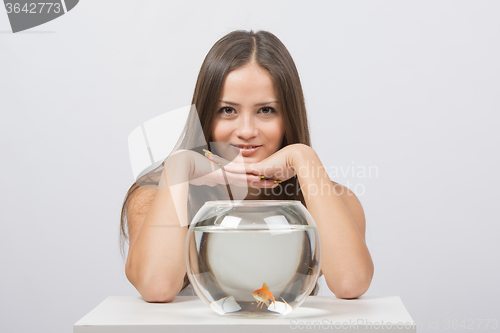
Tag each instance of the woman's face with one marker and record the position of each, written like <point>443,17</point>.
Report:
<point>248,115</point>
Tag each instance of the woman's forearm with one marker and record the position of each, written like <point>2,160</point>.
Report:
<point>345,259</point>
<point>156,263</point>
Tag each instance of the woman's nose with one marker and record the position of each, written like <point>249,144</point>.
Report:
<point>246,127</point>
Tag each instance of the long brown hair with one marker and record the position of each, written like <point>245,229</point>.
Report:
<point>234,50</point>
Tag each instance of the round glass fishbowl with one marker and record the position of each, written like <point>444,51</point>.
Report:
<point>253,257</point>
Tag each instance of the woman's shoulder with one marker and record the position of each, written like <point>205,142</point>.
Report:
<point>143,193</point>
<point>140,201</point>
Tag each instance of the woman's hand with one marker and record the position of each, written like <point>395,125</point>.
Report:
<point>276,168</point>
<point>202,171</point>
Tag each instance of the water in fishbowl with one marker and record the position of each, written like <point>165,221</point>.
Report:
<point>254,271</point>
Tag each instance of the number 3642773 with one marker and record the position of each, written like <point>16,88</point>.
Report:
<point>471,324</point>
<point>33,8</point>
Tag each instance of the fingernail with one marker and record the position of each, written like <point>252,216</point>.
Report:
<point>280,181</point>
<point>275,181</point>
<point>262,176</point>
<point>220,164</point>
<point>207,152</point>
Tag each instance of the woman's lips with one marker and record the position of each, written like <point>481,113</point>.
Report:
<point>246,151</point>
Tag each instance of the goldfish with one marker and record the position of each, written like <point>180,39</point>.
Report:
<point>263,295</point>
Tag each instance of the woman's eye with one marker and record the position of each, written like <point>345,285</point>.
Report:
<point>268,110</point>
<point>228,109</point>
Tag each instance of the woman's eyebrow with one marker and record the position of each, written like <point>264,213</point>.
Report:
<point>259,104</point>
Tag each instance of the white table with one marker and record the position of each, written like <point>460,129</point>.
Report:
<point>189,314</point>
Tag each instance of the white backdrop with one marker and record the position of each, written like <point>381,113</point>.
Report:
<point>409,89</point>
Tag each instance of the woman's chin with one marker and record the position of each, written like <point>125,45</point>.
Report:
<point>241,159</point>
<point>251,159</point>
<point>246,159</point>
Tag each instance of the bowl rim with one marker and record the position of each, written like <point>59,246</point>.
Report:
<point>252,203</point>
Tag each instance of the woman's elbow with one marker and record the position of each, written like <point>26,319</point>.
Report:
<point>351,288</point>
<point>159,294</point>
<point>157,291</point>
<point>350,292</point>
<point>158,298</point>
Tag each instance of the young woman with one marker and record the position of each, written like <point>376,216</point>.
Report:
<point>250,106</point>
